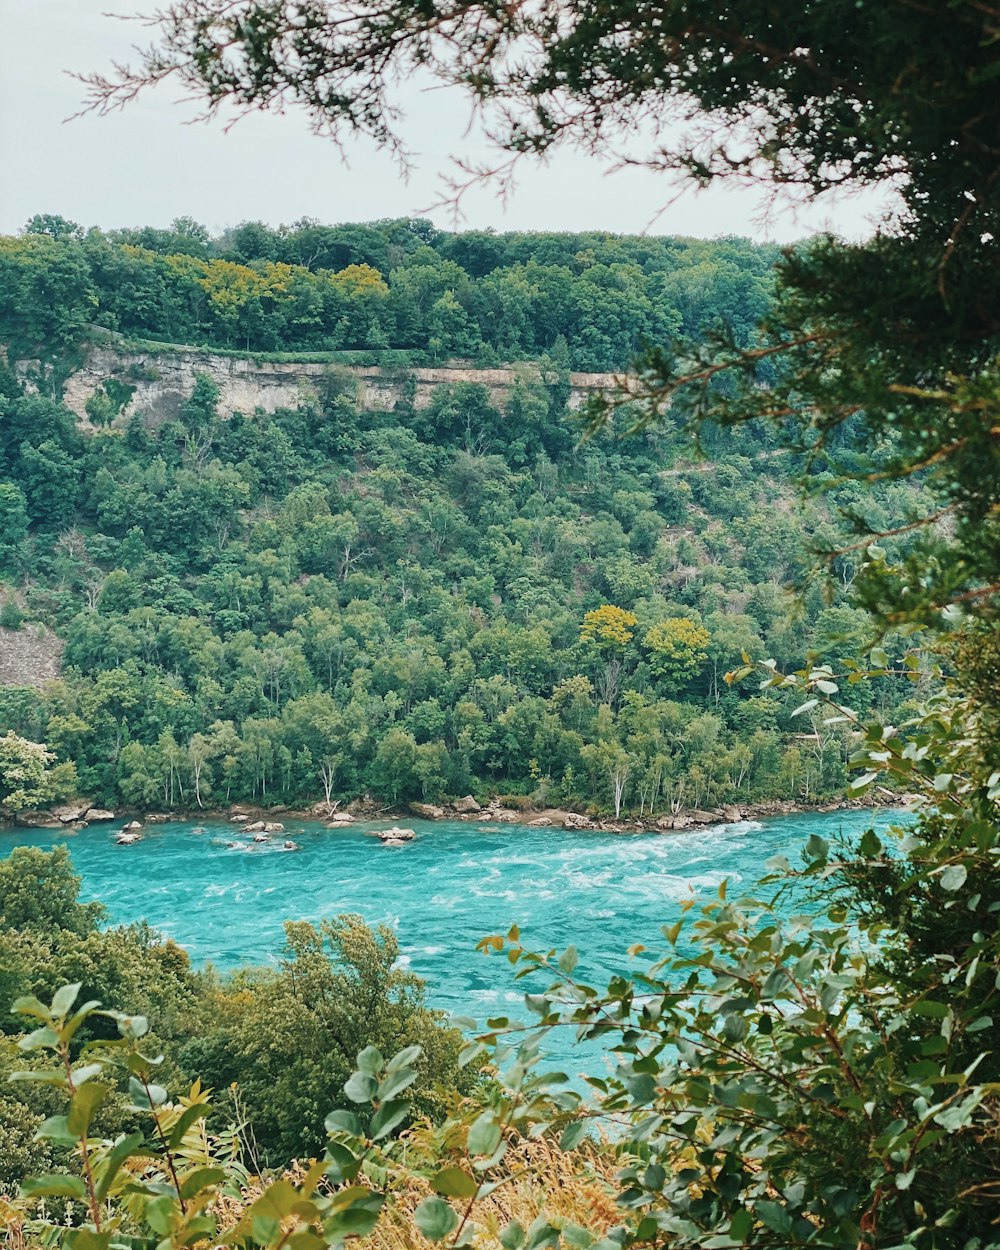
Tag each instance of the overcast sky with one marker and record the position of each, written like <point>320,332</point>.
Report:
<point>149,164</point>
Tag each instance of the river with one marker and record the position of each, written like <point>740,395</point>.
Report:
<point>441,893</point>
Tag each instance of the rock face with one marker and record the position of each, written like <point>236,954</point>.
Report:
<point>29,656</point>
<point>573,821</point>
<point>428,810</point>
<point>95,814</point>
<point>162,381</point>
<point>69,814</point>
<point>468,804</point>
<point>39,820</point>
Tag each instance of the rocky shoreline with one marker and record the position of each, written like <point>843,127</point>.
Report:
<point>79,814</point>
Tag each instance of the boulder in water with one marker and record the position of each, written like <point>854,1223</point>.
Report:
<point>133,826</point>
<point>395,834</point>
<point>98,813</point>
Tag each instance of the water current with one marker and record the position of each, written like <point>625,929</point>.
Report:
<point>441,893</point>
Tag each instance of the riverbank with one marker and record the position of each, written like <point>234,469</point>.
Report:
<point>79,814</point>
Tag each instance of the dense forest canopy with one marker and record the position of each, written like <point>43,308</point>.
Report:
<point>592,300</point>
<point>424,601</point>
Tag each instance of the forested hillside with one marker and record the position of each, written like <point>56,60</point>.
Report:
<point>422,602</point>
<point>592,300</point>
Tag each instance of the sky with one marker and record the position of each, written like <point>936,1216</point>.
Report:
<point>152,163</point>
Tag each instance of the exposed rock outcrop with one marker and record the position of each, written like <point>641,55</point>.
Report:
<point>468,804</point>
<point>429,811</point>
<point>162,381</point>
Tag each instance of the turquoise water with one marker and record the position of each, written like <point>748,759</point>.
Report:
<point>441,894</point>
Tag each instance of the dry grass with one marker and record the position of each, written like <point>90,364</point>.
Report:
<point>567,1187</point>
<point>573,1187</point>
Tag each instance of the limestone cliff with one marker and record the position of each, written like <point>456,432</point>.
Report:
<point>160,382</point>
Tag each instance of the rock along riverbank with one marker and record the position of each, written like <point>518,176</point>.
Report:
<point>79,813</point>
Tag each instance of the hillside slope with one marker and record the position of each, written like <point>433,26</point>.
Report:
<point>412,591</point>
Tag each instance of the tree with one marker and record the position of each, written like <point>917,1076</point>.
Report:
<point>39,893</point>
<point>27,778</point>
<point>677,648</point>
<point>609,627</point>
<point>13,519</point>
<point>288,1037</point>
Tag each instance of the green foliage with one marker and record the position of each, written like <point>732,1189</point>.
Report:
<point>399,296</point>
<point>285,1040</point>
<point>328,601</point>
<point>27,778</point>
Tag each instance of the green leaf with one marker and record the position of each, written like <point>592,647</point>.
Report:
<point>56,1129</point>
<point>343,1165</point>
<point>370,1061</point>
<point>44,1038</point>
<point>387,1117</point>
<point>435,1219</point>
<point>568,960</point>
<point>817,848</point>
<point>577,1237</point>
<point>358,1217</point>
<point>201,1179</point>
<point>54,1187</point>
<point>111,1165</point>
<point>361,1087</point>
<point>573,1134</point>
<point>541,1233</point>
<point>189,1116</point>
<point>740,1225</point>
<point>85,1102</point>
<point>41,1078</point>
<point>954,877</point>
<point>29,1005</point>
<point>146,1096</point>
<point>64,998</point>
<point>928,1007</point>
<point>454,1183</point>
<point>395,1082</point>
<point>775,1216</point>
<point>512,1237</point>
<point>343,1122</point>
<point>484,1134</point>
<point>405,1058</point>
